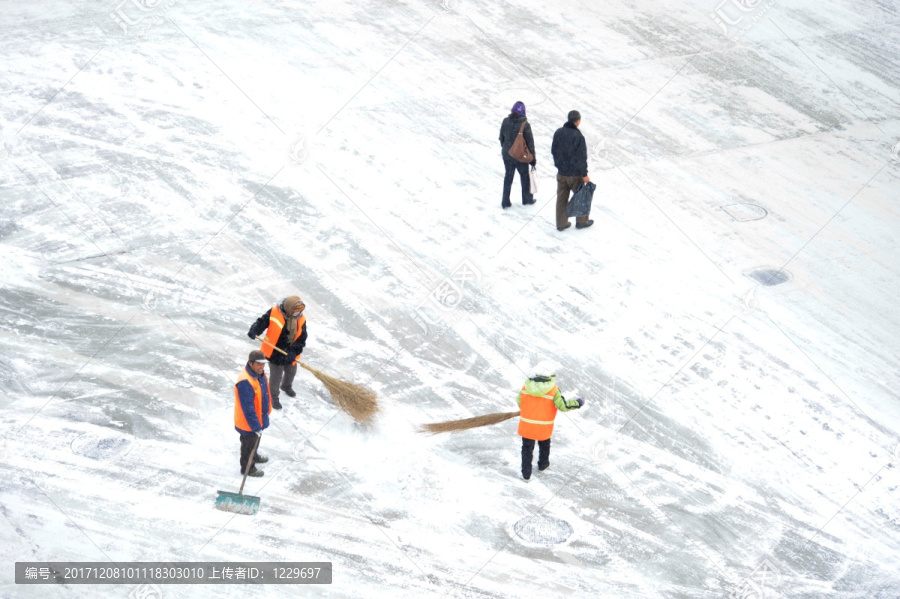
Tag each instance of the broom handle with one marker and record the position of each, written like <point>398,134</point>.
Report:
<point>249,464</point>
<point>272,345</point>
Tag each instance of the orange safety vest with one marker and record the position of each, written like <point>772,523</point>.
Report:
<point>537,415</point>
<point>240,421</point>
<point>276,325</point>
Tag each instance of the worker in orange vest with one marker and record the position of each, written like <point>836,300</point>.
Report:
<point>539,400</point>
<point>252,409</point>
<point>284,327</point>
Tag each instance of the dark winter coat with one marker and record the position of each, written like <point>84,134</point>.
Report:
<point>569,151</point>
<point>509,129</point>
<point>293,350</point>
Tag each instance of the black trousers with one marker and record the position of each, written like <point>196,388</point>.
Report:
<point>528,455</point>
<point>281,376</point>
<point>247,443</point>
<point>511,167</point>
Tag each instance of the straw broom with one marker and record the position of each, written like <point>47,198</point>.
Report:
<point>452,426</point>
<point>358,401</point>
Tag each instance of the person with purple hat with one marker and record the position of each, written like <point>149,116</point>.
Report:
<point>509,130</point>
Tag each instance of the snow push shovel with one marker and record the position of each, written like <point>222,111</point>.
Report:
<point>238,502</point>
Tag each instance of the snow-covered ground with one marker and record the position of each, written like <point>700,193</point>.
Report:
<point>170,169</point>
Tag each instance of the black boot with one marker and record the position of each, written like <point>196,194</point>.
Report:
<point>543,455</point>
<point>527,457</point>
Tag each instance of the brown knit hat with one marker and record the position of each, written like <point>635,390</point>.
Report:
<point>292,303</point>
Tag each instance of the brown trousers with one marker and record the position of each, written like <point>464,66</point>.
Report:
<point>564,185</point>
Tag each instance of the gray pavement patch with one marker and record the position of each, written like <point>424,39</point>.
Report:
<point>769,276</point>
<point>101,447</point>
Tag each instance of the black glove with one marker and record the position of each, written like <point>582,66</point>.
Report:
<point>534,163</point>
<point>292,355</point>
<point>250,334</point>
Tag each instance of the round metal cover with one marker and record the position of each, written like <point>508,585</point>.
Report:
<point>745,212</point>
<point>543,530</point>
<point>101,447</point>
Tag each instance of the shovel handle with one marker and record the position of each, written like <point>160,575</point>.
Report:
<point>249,464</point>
<point>272,345</point>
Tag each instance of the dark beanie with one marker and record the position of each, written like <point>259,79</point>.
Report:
<point>574,116</point>
<point>519,108</point>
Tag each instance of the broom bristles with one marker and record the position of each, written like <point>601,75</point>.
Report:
<point>451,426</point>
<point>358,401</point>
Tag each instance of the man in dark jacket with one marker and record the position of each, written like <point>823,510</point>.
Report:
<point>509,130</point>
<point>251,409</point>
<point>282,328</point>
<point>570,157</point>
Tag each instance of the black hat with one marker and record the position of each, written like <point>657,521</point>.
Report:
<point>574,116</point>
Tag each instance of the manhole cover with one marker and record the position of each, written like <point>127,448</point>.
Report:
<point>745,212</point>
<point>769,276</point>
<point>101,447</point>
<point>543,530</point>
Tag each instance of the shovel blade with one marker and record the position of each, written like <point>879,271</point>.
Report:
<point>237,503</point>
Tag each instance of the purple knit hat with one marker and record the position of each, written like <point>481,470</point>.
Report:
<point>519,108</point>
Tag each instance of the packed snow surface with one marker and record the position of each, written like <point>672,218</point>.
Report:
<point>170,169</point>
